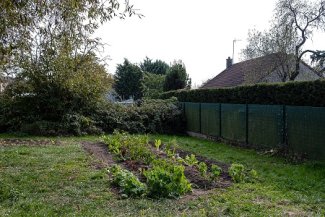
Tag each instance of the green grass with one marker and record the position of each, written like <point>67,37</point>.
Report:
<point>61,181</point>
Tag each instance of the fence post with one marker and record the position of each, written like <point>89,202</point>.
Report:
<point>200,118</point>
<point>285,130</point>
<point>220,125</point>
<point>246,123</point>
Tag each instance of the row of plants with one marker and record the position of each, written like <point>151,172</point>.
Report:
<point>159,169</point>
<point>308,93</point>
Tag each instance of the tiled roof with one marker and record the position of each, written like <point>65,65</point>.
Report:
<point>235,74</point>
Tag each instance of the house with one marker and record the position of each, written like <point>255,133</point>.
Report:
<point>266,69</point>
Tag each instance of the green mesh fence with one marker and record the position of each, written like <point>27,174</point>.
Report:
<point>210,119</point>
<point>233,122</point>
<point>306,131</point>
<point>265,125</point>
<point>192,113</point>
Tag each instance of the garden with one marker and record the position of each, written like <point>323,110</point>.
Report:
<point>152,175</point>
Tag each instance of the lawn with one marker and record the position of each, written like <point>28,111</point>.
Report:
<point>61,179</point>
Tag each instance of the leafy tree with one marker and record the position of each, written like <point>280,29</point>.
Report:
<point>176,77</point>
<point>156,67</point>
<point>72,89</point>
<point>152,84</point>
<point>33,30</point>
<point>319,58</point>
<point>48,47</point>
<point>128,80</point>
<point>303,17</point>
<point>293,24</point>
<point>279,43</point>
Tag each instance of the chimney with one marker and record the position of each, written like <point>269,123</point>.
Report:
<point>229,62</point>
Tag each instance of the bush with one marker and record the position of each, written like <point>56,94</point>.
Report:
<point>166,180</point>
<point>309,93</point>
<point>128,183</point>
<point>153,116</point>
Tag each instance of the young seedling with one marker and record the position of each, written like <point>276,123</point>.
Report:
<point>215,171</point>
<point>191,160</point>
<point>203,168</point>
<point>157,144</point>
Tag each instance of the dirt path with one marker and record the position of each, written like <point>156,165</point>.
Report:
<point>100,152</point>
<point>29,142</point>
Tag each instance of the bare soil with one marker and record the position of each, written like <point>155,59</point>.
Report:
<point>100,152</point>
<point>28,142</point>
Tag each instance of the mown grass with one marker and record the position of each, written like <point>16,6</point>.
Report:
<point>62,181</point>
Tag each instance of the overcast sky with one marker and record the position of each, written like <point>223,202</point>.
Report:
<point>200,33</point>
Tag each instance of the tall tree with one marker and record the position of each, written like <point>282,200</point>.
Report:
<point>293,24</point>
<point>319,58</point>
<point>176,77</point>
<point>128,79</point>
<point>152,84</point>
<point>279,43</point>
<point>36,30</point>
<point>156,67</point>
<point>303,17</point>
<point>49,48</point>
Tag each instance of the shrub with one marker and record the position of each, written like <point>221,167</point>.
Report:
<point>166,180</point>
<point>151,116</point>
<point>128,183</point>
<point>308,93</point>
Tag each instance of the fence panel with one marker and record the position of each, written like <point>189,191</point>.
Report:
<point>306,130</point>
<point>192,114</point>
<point>210,119</point>
<point>233,122</point>
<point>265,125</point>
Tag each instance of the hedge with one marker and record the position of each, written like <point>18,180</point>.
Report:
<point>311,93</point>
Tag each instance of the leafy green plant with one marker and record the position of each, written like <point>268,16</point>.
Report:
<point>215,171</point>
<point>240,174</point>
<point>252,176</point>
<point>129,147</point>
<point>170,153</point>
<point>191,160</point>
<point>166,180</point>
<point>157,144</point>
<point>129,184</point>
<point>203,168</point>
<point>237,172</point>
